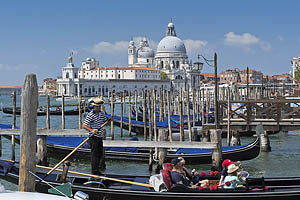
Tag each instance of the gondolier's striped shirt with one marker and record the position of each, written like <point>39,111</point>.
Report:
<point>94,121</point>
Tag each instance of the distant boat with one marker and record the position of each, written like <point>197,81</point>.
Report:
<point>67,98</point>
<point>41,112</point>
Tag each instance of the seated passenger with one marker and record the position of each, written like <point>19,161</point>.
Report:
<point>224,173</point>
<point>231,179</point>
<point>176,173</point>
<point>184,171</point>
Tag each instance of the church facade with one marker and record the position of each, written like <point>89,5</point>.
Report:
<point>170,58</point>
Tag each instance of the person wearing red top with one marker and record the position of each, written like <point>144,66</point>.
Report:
<point>226,163</point>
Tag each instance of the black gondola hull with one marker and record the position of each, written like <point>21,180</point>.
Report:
<point>248,152</point>
<point>277,188</point>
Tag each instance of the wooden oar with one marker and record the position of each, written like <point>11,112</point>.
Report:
<point>102,177</point>
<point>74,150</point>
<point>90,175</point>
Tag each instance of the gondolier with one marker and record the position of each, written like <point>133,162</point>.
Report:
<point>92,123</point>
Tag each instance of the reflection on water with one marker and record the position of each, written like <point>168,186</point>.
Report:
<point>283,160</point>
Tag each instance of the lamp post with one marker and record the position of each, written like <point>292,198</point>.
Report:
<point>199,66</point>
<point>216,86</point>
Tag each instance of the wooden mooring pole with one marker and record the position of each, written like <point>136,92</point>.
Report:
<point>215,135</point>
<point>28,133</point>
<point>63,112</point>
<point>264,138</point>
<point>150,128</point>
<point>112,133</point>
<point>13,152</point>
<point>121,121</point>
<point>129,114</point>
<point>42,139</point>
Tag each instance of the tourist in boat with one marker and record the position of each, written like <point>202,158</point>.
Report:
<point>184,171</point>
<point>231,179</point>
<point>193,176</point>
<point>93,122</point>
<point>178,175</point>
<point>224,172</point>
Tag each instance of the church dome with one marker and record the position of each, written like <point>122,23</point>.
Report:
<point>171,44</point>
<point>171,25</point>
<point>145,52</point>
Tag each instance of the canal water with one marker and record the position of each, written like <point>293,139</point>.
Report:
<point>283,160</point>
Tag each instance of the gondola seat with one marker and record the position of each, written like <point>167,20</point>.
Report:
<point>166,174</point>
<point>138,187</point>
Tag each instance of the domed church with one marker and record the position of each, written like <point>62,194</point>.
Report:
<point>170,57</point>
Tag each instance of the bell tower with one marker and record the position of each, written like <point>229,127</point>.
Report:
<point>131,53</point>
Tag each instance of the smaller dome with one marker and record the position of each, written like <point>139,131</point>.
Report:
<point>145,52</point>
<point>88,59</point>
<point>171,25</point>
<point>131,43</point>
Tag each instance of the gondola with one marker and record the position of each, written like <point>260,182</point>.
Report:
<point>43,112</point>
<point>175,118</point>
<point>119,187</point>
<point>60,146</point>
<point>138,126</point>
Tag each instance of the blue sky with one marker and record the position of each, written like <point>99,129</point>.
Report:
<point>37,36</point>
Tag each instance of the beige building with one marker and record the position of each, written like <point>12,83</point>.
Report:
<point>295,65</point>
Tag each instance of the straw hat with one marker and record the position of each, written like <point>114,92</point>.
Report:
<point>96,101</point>
<point>232,168</point>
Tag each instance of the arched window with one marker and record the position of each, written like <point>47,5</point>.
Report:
<point>67,75</point>
<point>178,77</point>
<point>161,64</point>
<point>177,64</point>
<point>194,81</point>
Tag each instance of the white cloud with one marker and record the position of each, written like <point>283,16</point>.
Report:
<point>108,47</point>
<point>104,47</point>
<point>245,40</point>
<point>194,46</point>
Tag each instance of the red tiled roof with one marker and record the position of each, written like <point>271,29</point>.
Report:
<point>208,74</point>
<point>10,86</point>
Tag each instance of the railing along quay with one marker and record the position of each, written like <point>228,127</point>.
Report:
<point>274,114</point>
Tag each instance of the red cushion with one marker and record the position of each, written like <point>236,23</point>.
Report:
<point>166,174</point>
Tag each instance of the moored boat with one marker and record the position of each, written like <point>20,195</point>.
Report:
<point>58,147</point>
<point>110,187</point>
<point>42,112</point>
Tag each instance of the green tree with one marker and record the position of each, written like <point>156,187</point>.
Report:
<point>164,76</point>
<point>297,75</point>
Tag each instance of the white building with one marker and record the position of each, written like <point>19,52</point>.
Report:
<point>68,84</point>
<point>143,71</point>
<point>91,80</point>
<point>296,65</point>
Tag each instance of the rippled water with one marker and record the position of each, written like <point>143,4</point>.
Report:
<point>283,160</point>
